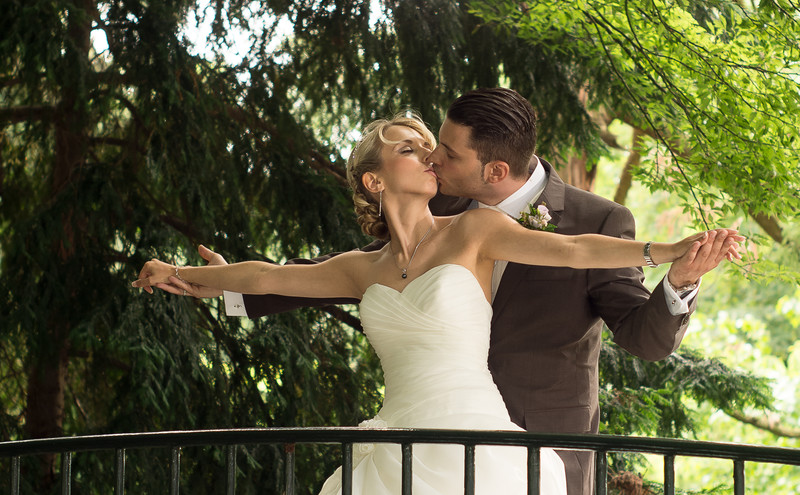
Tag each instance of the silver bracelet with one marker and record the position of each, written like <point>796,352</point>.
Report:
<point>178,276</point>
<point>646,253</point>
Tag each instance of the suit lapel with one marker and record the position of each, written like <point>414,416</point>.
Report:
<point>553,198</point>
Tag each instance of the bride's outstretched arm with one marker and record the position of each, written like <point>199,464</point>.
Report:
<point>337,277</point>
<point>503,238</point>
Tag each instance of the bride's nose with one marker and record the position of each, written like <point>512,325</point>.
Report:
<point>425,155</point>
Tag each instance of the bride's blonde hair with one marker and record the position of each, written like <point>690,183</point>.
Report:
<point>366,157</point>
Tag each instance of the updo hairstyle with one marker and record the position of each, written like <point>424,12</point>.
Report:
<point>366,157</point>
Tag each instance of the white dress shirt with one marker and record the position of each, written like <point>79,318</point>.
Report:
<point>514,206</point>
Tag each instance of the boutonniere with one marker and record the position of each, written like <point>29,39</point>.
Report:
<point>537,218</point>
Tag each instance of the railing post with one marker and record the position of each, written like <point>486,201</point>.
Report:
<point>175,471</point>
<point>119,488</point>
<point>15,462</point>
<point>469,469</point>
<point>669,474</point>
<point>600,472</point>
<point>288,471</point>
<point>230,457</point>
<point>66,473</point>
<point>738,477</point>
<point>347,469</point>
<point>407,471</point>
<point>534,469</point>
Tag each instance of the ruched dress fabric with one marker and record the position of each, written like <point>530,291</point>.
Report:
<point>433,342</point>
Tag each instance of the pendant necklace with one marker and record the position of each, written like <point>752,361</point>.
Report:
<point>405,275</point>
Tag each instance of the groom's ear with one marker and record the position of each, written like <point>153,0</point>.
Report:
<point>371,182</point>
<point>495,171</point>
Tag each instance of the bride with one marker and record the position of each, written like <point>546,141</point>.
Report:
<point>425,309</point>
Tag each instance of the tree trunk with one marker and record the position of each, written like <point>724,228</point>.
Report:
<point>633,160</point>
<point>48,368</point>
<point>45,404</point>
<point>577,174</point>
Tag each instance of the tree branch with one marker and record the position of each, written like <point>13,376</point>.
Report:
<point>26,114</point>
<point>124,143</point>
<point>10,81</point>
<point>602,119</point>
<point>770,226</point>
<point>315,159</point>
<point>183,227</point>
<point>116,363</point>
<point>770,422</point>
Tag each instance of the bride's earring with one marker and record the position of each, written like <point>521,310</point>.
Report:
<point>380,203</point>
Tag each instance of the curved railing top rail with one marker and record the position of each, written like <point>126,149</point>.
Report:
<point>243,436</point>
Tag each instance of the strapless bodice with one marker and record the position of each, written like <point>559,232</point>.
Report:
<point>433,342</point>
<point>440,319</point>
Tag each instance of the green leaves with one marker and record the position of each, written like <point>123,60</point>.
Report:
<point>649,398</point>
<point>716,88</point>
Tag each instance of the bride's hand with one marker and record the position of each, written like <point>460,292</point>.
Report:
<point>153,273</point>
<point>704,253</point>
<point>182,288</point>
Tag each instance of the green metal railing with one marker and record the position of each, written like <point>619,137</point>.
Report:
<point>406,438</point>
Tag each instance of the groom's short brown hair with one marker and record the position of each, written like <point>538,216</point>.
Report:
<point>502,126</point>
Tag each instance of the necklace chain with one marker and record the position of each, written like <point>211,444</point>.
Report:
<point>405,275</point>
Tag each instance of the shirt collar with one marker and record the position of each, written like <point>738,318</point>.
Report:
<point>529,192</point>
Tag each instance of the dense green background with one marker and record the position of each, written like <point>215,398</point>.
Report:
<point>122,140</point>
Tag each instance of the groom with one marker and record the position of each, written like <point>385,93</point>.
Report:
<point>547,324</point>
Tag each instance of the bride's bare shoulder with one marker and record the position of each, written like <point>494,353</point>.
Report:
<point>359,259</point>
<point>479,218</point>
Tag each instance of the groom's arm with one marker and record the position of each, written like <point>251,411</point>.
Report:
<point>647,325</point>
<point>258,305</point>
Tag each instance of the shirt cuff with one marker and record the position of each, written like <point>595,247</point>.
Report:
<point>234,304</point>
<point>678,304</point>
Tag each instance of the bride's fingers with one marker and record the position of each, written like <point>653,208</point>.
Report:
<point>180,284</point>
<point>734,252</point>
<point>706,245</point>
<point>143,283</point>
<point>691,253</point>
<point>724,251</point>
<point>700,237</point>
<point>183,288</point>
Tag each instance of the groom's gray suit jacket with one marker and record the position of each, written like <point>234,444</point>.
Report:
<point>547,324</point>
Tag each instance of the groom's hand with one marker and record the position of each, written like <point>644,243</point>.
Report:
<point>182,288</point>
<point>704,256</point>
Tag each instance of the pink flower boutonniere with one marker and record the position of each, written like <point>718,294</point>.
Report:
<point>537,218</point>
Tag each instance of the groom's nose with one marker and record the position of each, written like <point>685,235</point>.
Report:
<point>431,158</point>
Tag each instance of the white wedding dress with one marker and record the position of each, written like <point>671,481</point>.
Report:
<point>433,342</point>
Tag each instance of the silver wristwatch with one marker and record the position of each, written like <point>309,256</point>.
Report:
<point>683,289</point>
<point>646,253</point>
